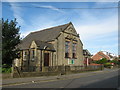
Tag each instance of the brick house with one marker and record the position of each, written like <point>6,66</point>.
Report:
<point>56,46</point>
<point>103,54</point>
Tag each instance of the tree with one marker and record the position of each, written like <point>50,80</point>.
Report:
<point>10,39</point>
<point>116,62</point>
<point>0,44</point>
<point>103,61</point>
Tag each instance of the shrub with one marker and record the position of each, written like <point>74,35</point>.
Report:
<point>108,65</point>
<point>115,62</point>
<point>0,69</point>
<point>101,61</point>
<point>6,66</point>
<point>6,70</point>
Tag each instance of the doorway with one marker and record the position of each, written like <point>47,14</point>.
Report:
<point>46,59</point>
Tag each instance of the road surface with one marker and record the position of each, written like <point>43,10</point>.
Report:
<point>98,80</point>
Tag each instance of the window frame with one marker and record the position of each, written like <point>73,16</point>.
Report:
<point>24,55</point>
<point>67,49</point>
<point>74,50</point>
<point>33,55</point>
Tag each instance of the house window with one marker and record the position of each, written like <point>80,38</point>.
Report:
<point>33,55</point>
<point>67,49</point>
<point>74,50</point>
<point>24,55</point>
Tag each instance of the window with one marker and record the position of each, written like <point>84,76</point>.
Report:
<point>33,55</point>
<point>74,50</point>
<point>67,49</point>
<point>24,55</point>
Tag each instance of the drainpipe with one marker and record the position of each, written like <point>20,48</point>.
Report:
<point>52,58</point>
<point>22,60</point>
<point>41,62</point>
<point>28,60</point>
<point>57,53</point>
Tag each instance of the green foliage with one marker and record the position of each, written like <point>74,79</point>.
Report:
<point>10,39</point>
<point>97,62</point>
<point>118,63</point>
<point>0,69</point>
<point>6,66</point>
<point>103,61</point>
<point>115,62</point>
<point>6,70</point>
<point>107,65</point>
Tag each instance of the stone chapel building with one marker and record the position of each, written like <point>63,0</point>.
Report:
<point>56,46</point>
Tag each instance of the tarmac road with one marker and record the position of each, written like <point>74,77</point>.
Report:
<point>96,80</point>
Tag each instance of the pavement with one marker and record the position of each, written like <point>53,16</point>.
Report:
<point>25,80</point>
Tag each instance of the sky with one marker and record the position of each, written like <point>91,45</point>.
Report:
<point>98,28</point>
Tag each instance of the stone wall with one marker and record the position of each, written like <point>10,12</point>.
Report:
<point>60,50</point>
<point>7,75</point>
<point>57,70</point>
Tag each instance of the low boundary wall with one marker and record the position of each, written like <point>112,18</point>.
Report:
<point>55,70</point>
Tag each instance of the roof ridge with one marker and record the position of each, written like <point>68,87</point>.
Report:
<point>44,35</point>
<point>106,54</point>
<point>49,28</point>
<point>103,55</point>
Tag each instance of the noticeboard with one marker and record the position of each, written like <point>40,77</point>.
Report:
<point>71,61</point>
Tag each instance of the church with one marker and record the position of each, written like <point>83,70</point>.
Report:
<point>55,46</point>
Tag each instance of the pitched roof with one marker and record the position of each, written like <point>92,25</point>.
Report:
<point>111,55</point>
<point>86,52</point>
<point>100,55</point>
<point>44,46</point>
<point>42,35</point>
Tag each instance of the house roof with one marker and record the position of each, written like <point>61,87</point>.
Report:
<point>42,35</point>
<point>44,46</point>
<point>86,52</point>
<point>100,55</point>
<point>111,55</point>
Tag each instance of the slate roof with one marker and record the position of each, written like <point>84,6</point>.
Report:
<point>42,35</point>
<point>43,45</point>
<point>86,52</point>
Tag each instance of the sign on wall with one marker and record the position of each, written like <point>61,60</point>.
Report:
<point>70,61</point>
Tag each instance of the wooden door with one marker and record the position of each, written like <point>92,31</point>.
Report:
<point>46,59</point>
